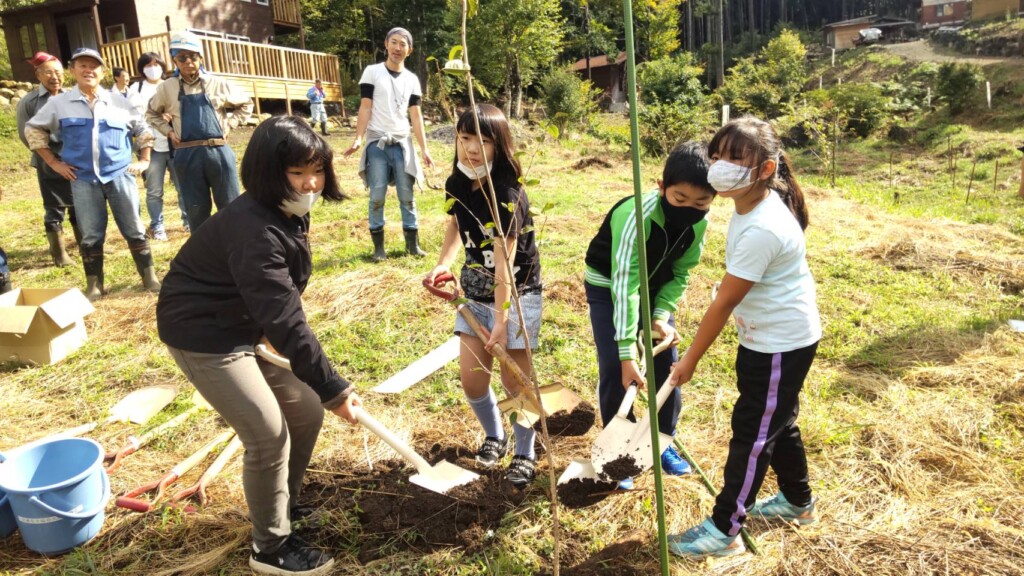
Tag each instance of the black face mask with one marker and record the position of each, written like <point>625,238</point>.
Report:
<point>680,217</point>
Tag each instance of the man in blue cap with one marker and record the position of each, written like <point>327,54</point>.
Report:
<point>198,103</point>
<point>97,129</point>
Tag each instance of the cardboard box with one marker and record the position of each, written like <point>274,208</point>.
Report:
<point>42,325</point>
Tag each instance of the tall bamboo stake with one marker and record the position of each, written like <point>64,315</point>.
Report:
<point>645,298</point>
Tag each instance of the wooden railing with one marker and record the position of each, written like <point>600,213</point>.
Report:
<point>287,12</point>
<point>235,58</point>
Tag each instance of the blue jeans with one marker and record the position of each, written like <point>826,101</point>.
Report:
<point>382,166</point>
<point>159,165</point>
<point>609,367</point>
<point>203,169</point>
<point>91,199</point>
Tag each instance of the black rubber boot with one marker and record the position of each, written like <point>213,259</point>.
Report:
<point>379,255</point>
<point>92,262</point>
<point>144,264</point>
<point>323,129</point>
<point>5,282</point>
<point>412,243</point>
<point>57,252</point>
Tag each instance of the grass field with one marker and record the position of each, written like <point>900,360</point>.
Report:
<point>912,414</point>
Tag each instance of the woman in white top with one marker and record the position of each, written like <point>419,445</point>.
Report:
<point>151,67</point>
<point>769,289</point>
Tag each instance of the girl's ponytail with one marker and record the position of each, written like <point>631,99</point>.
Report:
<point>786,185</point>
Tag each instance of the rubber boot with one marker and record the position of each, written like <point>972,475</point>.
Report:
<point>5,282</point>
<point>144,264</point>
<point>92,262</point>
<point>379,255</point>
<point>412,243</point>
<point>323,129</point>
<point>57,251</point>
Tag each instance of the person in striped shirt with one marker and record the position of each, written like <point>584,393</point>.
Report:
<point>675,220</point>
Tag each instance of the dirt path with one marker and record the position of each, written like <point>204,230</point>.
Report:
<point>924,51</point>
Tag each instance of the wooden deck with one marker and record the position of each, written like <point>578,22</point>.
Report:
<point>262,70</point>
<point>287,12</point>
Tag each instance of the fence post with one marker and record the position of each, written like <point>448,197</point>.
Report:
<point>988,93</point>
<point>725,114</point>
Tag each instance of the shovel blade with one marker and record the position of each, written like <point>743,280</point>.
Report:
<point>578,469</point>
<point>141,405</point>
<point>613,443</point>
<point>442,477</point>
<point>640,449</point>
<point>554,398</point>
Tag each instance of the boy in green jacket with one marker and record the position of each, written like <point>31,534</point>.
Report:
<point>674,226</point>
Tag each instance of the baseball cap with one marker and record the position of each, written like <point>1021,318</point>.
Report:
<point>88,53</point>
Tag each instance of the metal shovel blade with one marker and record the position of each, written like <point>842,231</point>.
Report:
<point>141,405</point>
<point>578,469</point>
<point>554,398</point>
<point>640,448</point>
<point>613,441</point>
<point>442,477</point>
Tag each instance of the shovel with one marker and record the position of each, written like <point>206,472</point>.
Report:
<point>134,444</point>
<point>613,442</point>
<point>554,398</point>
<point>638,441</point>
<point>200,487</point>
<point>420,369</point>
<point>440,477</point>
<point>137,407</point>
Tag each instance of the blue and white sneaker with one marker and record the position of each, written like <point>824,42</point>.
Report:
<point>777,507</point>
<point>626,483</point>
<point>674,464</point>
<point>705,540</point>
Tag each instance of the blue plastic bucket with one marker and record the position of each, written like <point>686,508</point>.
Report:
<point>7,522</point>
<point>57,490</point>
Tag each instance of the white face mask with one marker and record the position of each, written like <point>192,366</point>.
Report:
<point>726,176</point>
<point>477,173</point>
<point>153,72</point>
<point>302,205</point>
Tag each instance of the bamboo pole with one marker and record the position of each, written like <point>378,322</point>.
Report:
<point>645,298</point>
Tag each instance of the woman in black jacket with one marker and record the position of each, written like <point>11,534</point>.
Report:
<point>239,279</point>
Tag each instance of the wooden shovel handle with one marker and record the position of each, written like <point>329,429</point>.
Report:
<point>371,424</point>
<point>134,444</point>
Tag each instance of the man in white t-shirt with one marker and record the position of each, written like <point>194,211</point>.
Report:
<point>391,97</point>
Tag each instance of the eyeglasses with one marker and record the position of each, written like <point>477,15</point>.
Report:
<point>182,58</point>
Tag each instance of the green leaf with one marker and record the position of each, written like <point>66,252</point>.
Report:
<point>519,154</point>
<point>526,229</point>
<point>431,59</point>
<point>511,206</point>
<point>460,300</point>
<point>448,204</point>
<point>553,131</point>
<point>531,182</point>
<point>475,266</point>
<point>506,305</point>
<point>489,225</point>
<point>455,53</point>
<point>534,211</point>
<point>548,206</point>
<point>487,242</point>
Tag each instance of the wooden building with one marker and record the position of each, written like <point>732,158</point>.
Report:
<point>935,13</point>
<point>991,9</point>
<point>236,35</point>
<point>841,35</point>
<point>608,75</point>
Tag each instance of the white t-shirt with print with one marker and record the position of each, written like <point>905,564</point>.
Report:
<point>766,246</point>
<point>390,98</point>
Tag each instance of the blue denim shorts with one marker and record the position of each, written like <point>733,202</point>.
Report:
<point>532,305</point>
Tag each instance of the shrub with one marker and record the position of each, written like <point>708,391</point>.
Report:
<point>662,126</point>
<point>958,84</point>
<point>766,85</point>
<point>862,107</point>
<point>672,80</point>
<point>569,100</point>
<point>8,124</point>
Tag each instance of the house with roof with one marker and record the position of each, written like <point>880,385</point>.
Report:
<point>936,13</point>
<point>237,38</point>
<point>992,9</point>
<point>607,75</point>
<point>841,35</point>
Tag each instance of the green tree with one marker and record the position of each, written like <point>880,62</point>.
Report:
<point>767,84</point>
<point>510,43</point>
<point>671,80</point>
<point>958,84</point>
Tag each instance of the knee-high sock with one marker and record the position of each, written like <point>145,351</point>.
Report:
<point>525,437</point>
<point>486,410</point>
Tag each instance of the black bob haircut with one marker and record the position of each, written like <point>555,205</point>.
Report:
<point>117,71</point>
<point>148,58</point>
<point>494,125</point>
<point>688,163</point>
<point>278,144</point>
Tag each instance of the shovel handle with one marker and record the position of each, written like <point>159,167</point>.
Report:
<point>627,401</point>
<point>507,363</point>
<point>663,393</point>
<point>134,444</point>
<point>441,280</point>
<point>371,424</point>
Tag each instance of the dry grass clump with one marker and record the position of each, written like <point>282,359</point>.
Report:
<point>966,265</point>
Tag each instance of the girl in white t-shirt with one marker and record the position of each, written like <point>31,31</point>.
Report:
<point>769,289</point>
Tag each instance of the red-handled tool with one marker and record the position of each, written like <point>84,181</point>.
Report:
<point>204,481</point>
<point>131,501</point>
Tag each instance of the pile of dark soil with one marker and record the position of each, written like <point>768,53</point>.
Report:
<point>575,423</point>
<point>621,468</point>
<point>394,513</point>
<point>591,161</point>
<point>583,492</point>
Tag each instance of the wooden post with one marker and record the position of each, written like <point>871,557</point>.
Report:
<point>256,99</point>
<point>970,183</point>
<point>284,74</point>
<point>96,24</point>
<point>995,177</point>
<point>1021,191</point>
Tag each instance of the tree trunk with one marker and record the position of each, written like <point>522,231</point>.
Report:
<point>751,14</point>
<point>720,65</point>
<point>517,90</point>
<point>689,25</point>
<point>782,12</point>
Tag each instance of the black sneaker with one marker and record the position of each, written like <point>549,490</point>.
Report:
<point>294,557</point>
<point>491,451</point>
<point>521,471</point>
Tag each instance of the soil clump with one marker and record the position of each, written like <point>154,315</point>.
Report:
<point>583,492</point>
<point>621,468</point>
<point>577,422</point>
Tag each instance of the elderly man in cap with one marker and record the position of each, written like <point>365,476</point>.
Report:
<point>97,128</point>
<point>198,103</point>
<point>54,188</point>
<point>390,98</point>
